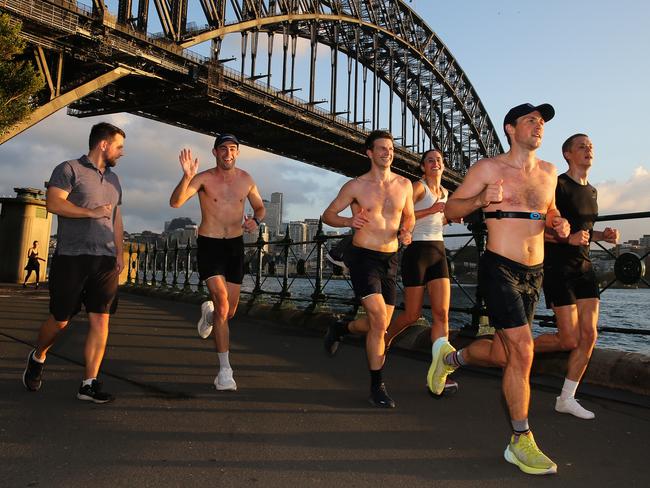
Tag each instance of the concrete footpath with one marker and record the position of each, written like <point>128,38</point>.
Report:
<point>299,418</point>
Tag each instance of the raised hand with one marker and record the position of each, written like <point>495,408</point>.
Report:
<point>492,193</point>
<point>360,219</point>
<point>190,167</point>
<point>102,212</point>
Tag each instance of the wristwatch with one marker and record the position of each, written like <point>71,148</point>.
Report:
<point>257,221</point>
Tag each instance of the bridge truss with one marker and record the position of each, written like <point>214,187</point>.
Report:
<point>314,76</point>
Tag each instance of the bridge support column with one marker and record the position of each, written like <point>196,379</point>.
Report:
<point>65,99</point>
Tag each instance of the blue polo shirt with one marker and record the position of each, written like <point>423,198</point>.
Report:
<point>88,188</point>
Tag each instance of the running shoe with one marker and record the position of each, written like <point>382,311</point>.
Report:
<point>524,453</point>
<point>205,323</point>
<point>438,371</point>
<point>451,388</point>
<point>33,373</point>
<point>93,393</point>
<point>332,338</point>
<point>225,381</point>
<point>571,405</point>
<point>379,398</point>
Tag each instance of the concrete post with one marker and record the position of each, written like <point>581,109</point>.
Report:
<point>23,220</point>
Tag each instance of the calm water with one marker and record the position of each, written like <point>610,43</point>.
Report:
<point>619,308</point>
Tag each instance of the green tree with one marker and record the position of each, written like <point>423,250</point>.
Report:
<point>19,81</point>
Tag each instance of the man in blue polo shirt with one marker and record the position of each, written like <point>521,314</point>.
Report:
<point>85,194</point>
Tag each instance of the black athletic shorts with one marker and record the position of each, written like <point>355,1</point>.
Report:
<point>88,280</point>
<point>563,285</point>
<point>373,272</point>
<point>424,261</point>
<point>511,290</point>
<point>225,257</point>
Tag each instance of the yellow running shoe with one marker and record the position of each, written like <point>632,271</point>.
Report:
<point>525,454</point>
<point>438,370</point>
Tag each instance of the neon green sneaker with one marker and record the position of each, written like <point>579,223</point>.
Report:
<point>525,454</point>
<point>438,370</point>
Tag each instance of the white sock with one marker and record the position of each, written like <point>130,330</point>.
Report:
<point>88,382</point>
<point>224,362</point>
<point>568,389</point>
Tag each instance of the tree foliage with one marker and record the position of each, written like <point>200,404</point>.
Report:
<point>19,81</point>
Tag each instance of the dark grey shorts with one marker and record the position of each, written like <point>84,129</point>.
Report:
<point>511,290</point>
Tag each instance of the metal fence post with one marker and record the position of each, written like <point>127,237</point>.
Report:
<point>480,324</point>
<point>154,264</point>
<point>163,279</point>
<point>188,265</point>
<point>259,244</point>
<point>175,266</point>
<point>318,297</point>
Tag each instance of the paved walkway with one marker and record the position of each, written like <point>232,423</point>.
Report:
<point>299,418</point>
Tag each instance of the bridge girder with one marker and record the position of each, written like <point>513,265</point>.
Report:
<point>384,37</point>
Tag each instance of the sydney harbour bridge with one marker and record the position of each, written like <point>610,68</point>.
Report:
<point>305,79</point>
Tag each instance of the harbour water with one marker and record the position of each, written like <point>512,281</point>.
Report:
<point>620,308</point>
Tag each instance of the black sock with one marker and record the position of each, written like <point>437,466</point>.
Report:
<point>375,379</point>
<point>342,328</point>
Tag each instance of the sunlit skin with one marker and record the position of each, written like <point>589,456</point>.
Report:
<point>223,191</point>
<point>438,290</point>
<point>514,181</point>
<point>382,218</point>
<point>577,324</point>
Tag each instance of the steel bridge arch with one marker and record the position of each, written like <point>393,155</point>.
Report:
<point>385,37</point>
<point>471,107</point>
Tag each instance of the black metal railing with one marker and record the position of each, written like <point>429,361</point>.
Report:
<point>274,269</point>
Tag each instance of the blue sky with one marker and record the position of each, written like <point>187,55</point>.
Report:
<point>587,58</point>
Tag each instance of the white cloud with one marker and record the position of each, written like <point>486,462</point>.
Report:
<point>628,196</point>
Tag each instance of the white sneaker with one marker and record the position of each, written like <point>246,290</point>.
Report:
<point>224,380</point>
<point>571,405</point>
<point>205,323</point>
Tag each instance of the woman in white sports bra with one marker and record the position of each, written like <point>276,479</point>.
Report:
<point>424,262</point>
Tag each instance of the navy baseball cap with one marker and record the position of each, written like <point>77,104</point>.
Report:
<point>547,111</point>
<point>223,138</point>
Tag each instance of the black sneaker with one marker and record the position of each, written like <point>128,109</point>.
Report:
<point>93,393</point>
<point>33,373</point>
<point>379,398</point>
<point>332,338</point>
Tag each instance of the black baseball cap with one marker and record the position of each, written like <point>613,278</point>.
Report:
<point>223,138</point>
<point>547,111</point>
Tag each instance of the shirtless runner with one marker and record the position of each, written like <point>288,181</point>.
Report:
<point>516,191</point>
<point>223,191</point>
<point>383,216</point>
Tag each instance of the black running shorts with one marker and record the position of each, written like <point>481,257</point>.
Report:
<point>563,285</point>
<point>225,257</point>
<point>424,261</point>
<point>511,290</point>
<point>88,280</point>
<point>373,272</point>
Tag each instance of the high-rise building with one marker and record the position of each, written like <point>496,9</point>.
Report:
<point>273,218</point>
<point>298,233</point>
<point>276,197</point>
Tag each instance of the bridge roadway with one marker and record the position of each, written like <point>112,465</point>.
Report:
<point>298,419</point>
